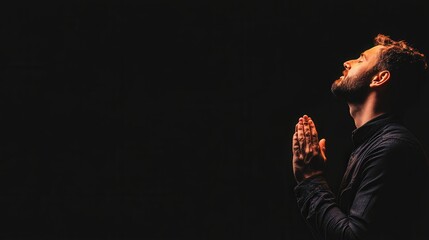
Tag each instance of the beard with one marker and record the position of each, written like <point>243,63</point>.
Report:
<point>353,89</point>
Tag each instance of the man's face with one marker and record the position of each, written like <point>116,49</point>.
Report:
<point>353,86</point>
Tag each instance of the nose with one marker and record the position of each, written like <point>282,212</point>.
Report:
<point>347,65</point>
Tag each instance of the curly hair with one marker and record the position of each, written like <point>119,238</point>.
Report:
<point>399,53</point>
<point>408,69</point>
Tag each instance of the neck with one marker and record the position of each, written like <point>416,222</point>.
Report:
<point>364,112</point>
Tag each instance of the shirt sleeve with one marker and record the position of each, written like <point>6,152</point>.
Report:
<point>379,188</point>
<point>318,205</point>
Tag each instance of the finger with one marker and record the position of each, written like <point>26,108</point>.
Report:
<point>301,134</point>
<point>314,136</point>
<point>295,145</point>
<point>322,145</point>
<point>307,134</point>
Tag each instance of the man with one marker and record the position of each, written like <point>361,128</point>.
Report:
<point>382,193</point>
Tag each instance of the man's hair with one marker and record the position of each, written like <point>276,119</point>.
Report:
<point>408,71</point>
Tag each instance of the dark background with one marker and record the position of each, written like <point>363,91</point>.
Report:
<point>173,120</point>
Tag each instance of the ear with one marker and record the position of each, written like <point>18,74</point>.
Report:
<point>380,78</point>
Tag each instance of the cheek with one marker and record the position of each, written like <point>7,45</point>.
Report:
<point>356,71</point>
<point>355,74</point>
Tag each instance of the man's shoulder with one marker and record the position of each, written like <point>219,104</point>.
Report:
<point>397,134</point>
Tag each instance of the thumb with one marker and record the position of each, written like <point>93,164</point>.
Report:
<point>322,146</point>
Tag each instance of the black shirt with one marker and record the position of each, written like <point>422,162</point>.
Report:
<point>383,191</point>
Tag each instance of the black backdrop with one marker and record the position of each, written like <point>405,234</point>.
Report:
<point>173,120</point>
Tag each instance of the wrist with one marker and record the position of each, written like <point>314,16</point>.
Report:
<point>312,174</point>
<point>306,176</point>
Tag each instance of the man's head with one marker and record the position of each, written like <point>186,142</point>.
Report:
<point>393,68</point>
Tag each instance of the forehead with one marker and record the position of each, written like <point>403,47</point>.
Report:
<point>374,52</point>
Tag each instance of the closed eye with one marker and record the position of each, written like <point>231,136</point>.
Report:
<point>362,57</point>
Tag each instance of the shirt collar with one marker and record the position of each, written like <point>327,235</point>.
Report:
<point>359,135</point>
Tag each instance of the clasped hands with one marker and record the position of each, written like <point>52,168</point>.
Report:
<point>308,152</point>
